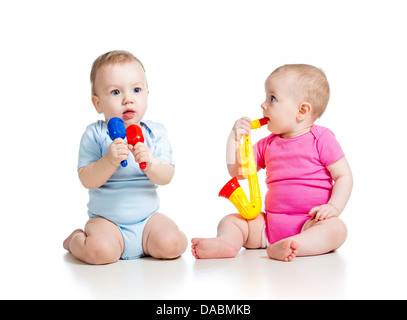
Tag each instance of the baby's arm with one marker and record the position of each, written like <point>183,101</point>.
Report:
<point>159,172</point>
<point>97,173</point>
<point>342,188</point>
<point>241,127</point>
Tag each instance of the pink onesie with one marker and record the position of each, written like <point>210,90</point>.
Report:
<point>297,178</point>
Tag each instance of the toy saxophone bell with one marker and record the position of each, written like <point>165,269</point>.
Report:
<point>234,192</point>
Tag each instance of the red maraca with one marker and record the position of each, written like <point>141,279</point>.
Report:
<point>135,134</point>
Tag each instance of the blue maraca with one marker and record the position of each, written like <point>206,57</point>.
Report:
<point>116,129</point>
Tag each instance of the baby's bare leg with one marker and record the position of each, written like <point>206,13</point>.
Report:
<point>317,238</point>
<point>100,243</point>
<point>234,232</point>
<point>321,237</point>
<point>162,238</point>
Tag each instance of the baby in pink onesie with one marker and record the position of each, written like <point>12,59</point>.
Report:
<point>308,177</point>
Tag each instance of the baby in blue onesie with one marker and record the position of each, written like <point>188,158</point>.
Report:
<point>123,202</point>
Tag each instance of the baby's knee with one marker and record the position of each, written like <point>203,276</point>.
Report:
<point>341,226</point>
<point>100,252</point>
<point>172,245</point>
<point>340,231</point>
<point>231,218</point>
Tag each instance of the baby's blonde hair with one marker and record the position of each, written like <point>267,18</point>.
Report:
<point>311,85</point>
<point>111,57</point>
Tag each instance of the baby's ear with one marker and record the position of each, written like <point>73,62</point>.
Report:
<point>304,110</point>
<point>96,104</point>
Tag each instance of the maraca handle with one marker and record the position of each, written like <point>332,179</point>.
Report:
<point>134,135</point>
<point>116,129</point>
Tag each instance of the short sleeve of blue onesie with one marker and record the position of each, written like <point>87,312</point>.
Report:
<point>128,198</point>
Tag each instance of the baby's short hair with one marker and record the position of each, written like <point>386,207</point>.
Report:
<point>311,85</point>
<point>111,57</point>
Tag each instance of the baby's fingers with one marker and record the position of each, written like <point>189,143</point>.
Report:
<point>322,214</point>
<point>246,125</point>
<point>245,121</point>
<point>314,211</point>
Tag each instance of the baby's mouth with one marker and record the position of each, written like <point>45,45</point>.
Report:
<point>129,113</point>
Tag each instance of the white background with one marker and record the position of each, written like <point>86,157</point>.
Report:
<point>206,63</point>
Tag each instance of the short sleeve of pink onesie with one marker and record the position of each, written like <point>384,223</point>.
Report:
<point>328,147</point>
<point>260,150</point>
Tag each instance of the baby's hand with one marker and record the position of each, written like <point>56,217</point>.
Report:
<point>241,128</point>
<point>118,152</point>
<point>323,212</point>
<point>142,153</point>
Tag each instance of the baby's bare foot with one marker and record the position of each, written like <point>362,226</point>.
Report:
<point>212,248</point>
<point>67,241</point>
<point>284,250</point>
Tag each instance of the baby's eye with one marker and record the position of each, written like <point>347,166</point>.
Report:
<point>115,92</point>
<point>273,99</point>
<point>136,90</point>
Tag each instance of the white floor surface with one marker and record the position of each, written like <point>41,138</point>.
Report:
<point>349,273</point>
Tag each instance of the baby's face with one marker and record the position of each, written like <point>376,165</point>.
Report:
<point>121,91</point>
<point>280,106</point>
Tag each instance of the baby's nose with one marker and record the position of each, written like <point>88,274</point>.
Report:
<point>128,98</point>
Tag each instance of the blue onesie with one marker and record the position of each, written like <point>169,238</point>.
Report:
<point>128,198</point>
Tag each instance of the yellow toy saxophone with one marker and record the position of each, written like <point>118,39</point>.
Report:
<point>234,192</point>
